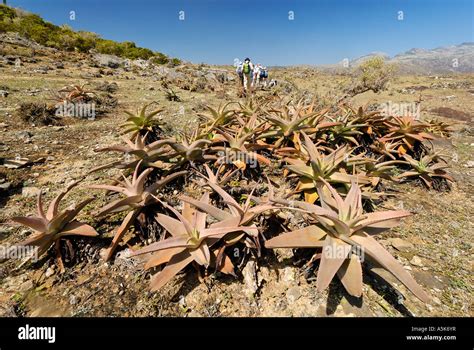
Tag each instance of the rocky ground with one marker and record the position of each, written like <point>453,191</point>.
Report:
<point>435,245</point>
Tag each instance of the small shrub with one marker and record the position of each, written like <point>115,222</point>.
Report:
<point>371,75</point>
<point>37,113</point>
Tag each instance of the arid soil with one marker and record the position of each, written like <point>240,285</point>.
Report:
<point>435,244</point>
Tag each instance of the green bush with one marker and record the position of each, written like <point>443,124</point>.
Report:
<point>126,49</point>
<point>160,58</point>
<point>6,13</point>
<point>175,61</point>
<point>33,27</point>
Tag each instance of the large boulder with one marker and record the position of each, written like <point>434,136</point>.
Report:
<point>110,61</point>
<point>170,73</point>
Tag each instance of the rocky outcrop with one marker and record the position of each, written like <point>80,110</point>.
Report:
<point>16,39</point>
<point>109,61</point>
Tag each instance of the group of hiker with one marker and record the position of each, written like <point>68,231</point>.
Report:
<point>251,75</point>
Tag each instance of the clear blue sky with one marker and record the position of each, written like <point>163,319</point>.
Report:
<point>217,31</point>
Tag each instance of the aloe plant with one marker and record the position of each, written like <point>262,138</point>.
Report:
<point>286,121</point>
<point>74,94</point>
<point>137,151</point>
<point>141,121</point>
<point>241,215</point>
<point>239,146</point>
<point>407,130</point>
<point>322,166</point>
<point>438,127</point>
<point>171,95</point>
<point>191,149</point>
<point>219,116</point>
<point>388,149</point>
<point>191,240</point>
<point>372,121</point>
<point>250,108</point>
<point>137,197</point>
<point>344,233</point>
<point>384,170</point>
<point>345,130</point>
<point>53,225</point>
<point>428,168</point>
<point>219,177</point>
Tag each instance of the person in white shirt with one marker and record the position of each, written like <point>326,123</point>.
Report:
<point>240,73</point>
<point>256,75</point>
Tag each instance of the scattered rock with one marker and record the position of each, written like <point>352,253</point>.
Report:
<point>416,261</point>
<point>110,88</point>
<point>353,309</point>
<point>250,278</point>
<point>28,192</point>
<point>194,313</point>
<point>49,272</point>
<point>23,134</point>
<point>42,70</point>
<point>400,244</point>
<point>110,61</point>
<point>340,312</point>
<point>5,186</point>
<point>140,63</point>
<point>3,93</point>
<point>5,231</point>
<point>428,280</point>
<point>288,274</point>
<point>73,300</point>
<point>40,306</point>
<point>293,294</point>
<point>124,260</point>
<point>15,163</point>
<point>469,164</point>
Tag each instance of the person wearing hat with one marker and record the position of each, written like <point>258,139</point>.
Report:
<point>263,76</point>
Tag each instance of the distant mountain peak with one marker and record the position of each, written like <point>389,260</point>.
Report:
<point>414,51</point>
<point>444,59</point>
<point>361,59</point>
